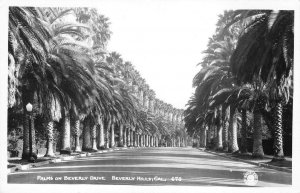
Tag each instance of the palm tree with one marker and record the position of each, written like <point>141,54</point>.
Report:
<point>72,76</point>
<point>86,138</point>
<point>101,138</point>
<point>265,49</point>
<point>27,34</point>
<point>216,75</point>
<point>245,98</point>
<point>98,23</point>
<point>27,51</point>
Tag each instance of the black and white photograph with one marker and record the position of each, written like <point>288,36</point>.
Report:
<point>149,94</point>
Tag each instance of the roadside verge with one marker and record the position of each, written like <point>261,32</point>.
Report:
<point>20,167</point>
<point>254,162</point>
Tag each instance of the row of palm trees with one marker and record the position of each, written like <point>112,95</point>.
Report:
<point>245,83</point>
<point>59,64</point>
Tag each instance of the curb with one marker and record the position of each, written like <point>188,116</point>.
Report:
<point>20,167</point>
<point>250,162</point>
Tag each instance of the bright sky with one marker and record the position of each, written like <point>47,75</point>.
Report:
<point>163,40</point>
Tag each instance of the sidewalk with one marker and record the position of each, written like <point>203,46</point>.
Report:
<point>16,164</point>
<point>285,166</point>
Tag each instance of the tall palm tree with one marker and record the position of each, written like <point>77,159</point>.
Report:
<point>27,51</point>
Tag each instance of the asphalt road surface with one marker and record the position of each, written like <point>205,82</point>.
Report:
<point>153,166</point>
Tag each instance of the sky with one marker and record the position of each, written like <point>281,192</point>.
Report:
<point>163,40</point>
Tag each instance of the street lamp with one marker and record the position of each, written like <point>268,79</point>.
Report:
<point>29,110</point>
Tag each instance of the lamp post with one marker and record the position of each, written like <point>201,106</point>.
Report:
<point>29,110</point>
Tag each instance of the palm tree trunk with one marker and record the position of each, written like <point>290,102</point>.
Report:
<point>278,141</point>
<point>77,133</point>
<point>112,141</point>
<point>233,145</point>
<point>135,139</point>
<point>146,140</point>
<point>33,146</point>
<point>94,136</point>
<point>86,142</point>
<point>180,142</point>
<point>203,137</point>
<point>125,136</point>
<point>131,138</point>
<point>225,130</point>
<point>138,140</point>
<point>66,134</point>
<point>128,137</point>
<point>101,141</point>
<point>208,137</point>
<point>121,142</point>
<point>219,136</point>
<point>107,135</point>
<point>244,132</point>
<point>143,140</point>
<point>107,138</point>
<point>151,141</point>
<point>258,151</point>
<point>50,152</point>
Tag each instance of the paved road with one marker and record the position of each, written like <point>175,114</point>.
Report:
<point>151,166</point>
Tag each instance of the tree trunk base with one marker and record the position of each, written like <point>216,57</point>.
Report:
<point>94,149</point>
<point>65,151</point>
<point>278,159</point>
<point>50,155</point>
<point>89,150</point>
<point>29,157</point>
<point>246,153</point>
<point>235,152</point>
<point>257,156</point>
<point>225,149</point>
<point>86,149</point>
<point>101,148</point>
<point>32,159</point>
